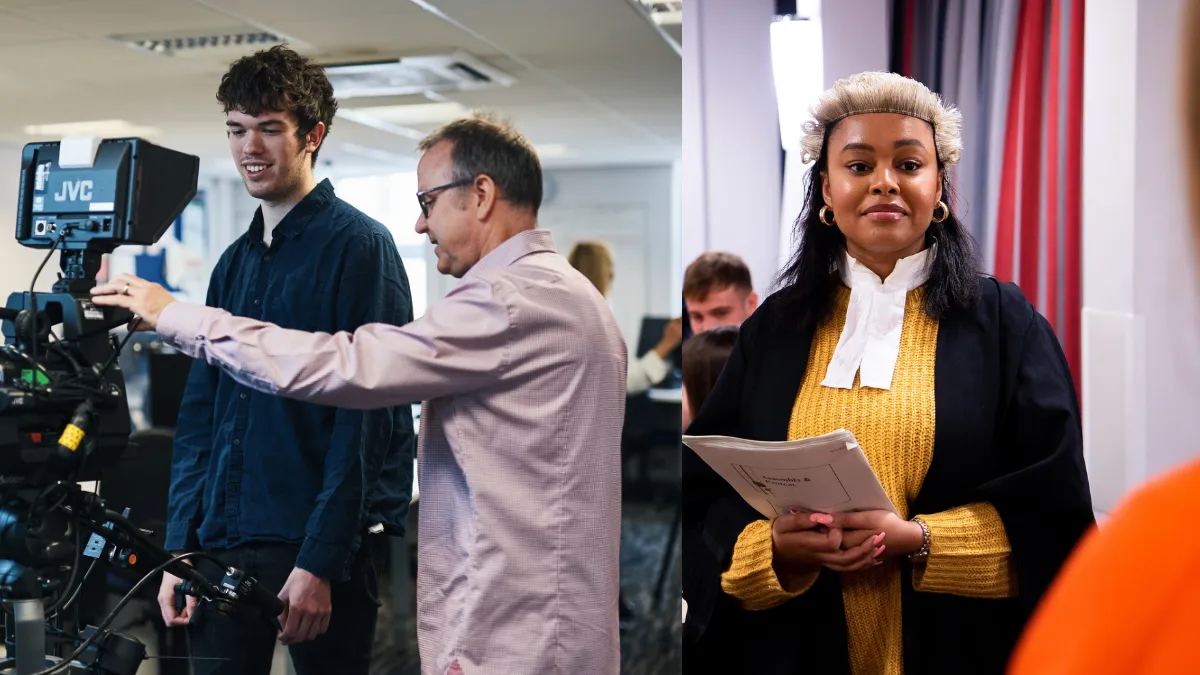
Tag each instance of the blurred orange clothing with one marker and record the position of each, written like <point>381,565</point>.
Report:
<point>1128,600</point>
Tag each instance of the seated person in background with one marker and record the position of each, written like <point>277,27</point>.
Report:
<point>717,291</point>
<point>704,355</point>
<point>594,260</point>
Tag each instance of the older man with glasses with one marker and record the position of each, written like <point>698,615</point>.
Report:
<point>523,370</point>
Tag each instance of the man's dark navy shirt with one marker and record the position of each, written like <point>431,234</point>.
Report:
<point>252,467</point>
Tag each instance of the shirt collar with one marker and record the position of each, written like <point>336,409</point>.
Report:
<point>513,249</point>
<point>869,345</point>
<point>909,273</point>
<point>299,217</point>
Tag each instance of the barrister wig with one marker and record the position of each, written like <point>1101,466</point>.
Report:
<point>812,275</point>
<point>873,92</point>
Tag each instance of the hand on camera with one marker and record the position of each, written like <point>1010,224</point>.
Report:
<point>145,299</point>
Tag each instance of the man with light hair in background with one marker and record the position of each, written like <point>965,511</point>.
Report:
<point>718,292</point>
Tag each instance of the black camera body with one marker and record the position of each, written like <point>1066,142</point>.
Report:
<point>84,197</point>
<point>129,192</point>
<point>32,421</point>
<point>64,414</point>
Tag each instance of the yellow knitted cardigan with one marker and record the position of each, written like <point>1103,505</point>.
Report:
<point>969,550</point>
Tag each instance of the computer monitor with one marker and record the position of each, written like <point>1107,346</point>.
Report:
<point>651,333</point>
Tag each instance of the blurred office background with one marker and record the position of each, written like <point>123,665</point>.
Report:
<point>595,85</point>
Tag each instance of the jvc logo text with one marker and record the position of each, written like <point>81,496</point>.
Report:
<point>75,190</point>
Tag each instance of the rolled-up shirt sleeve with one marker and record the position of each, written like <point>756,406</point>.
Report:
<point>461,344</point>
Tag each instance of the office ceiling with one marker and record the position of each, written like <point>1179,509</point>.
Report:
<point>596,83</point>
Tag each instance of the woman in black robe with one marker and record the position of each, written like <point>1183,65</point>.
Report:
<point>956,389</point>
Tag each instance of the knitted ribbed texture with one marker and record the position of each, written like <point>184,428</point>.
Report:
<point>895,428</point>
<point>751,578</point>
<point>968,554</point>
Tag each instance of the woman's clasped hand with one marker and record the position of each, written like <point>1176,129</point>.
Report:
<point>843,542</point>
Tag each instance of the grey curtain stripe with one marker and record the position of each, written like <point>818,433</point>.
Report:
<point>1064,61</point>
<point>1047,172</point>
<point>1000,70</point>
<point>969,102</point>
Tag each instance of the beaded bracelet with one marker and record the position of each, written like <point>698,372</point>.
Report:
<point>922,554</point>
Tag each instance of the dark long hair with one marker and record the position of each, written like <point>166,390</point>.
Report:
<point>813,275</point>
<point>704,355</point>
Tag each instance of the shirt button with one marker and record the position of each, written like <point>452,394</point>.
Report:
<point>237,441</point>
<point>257,301</point>
<point>242,396</point>
<point>267,258</point>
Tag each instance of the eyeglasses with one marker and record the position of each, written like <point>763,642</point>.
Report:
<point>426,201</point>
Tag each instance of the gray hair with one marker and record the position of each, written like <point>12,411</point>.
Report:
<point>484,144</point>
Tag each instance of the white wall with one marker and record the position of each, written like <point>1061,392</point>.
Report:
<point>631,209</point>
<point>855,36</point>
<point>17,263</point>
<point>1141,324</point>
<point>731,151</point>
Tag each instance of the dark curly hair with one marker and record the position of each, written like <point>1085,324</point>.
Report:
<point>813,274</point>
<point>280,80</point>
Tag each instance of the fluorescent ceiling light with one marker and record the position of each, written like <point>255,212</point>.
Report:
<point>416,114</point>
<point>663,12</point>
<point>359,116</point>
<point>799,71</point>
<point>554,151</point>
<point>668,18</point>
<point>101,128</point>
<point>376,154</point>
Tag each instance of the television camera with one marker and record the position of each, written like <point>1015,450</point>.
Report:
<point>64,415</point>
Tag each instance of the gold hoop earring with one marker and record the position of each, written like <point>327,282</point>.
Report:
<point>821,216</point>
<point>945,212</point>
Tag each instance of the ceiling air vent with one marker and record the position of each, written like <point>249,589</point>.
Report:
<point>213,43</point>
<point>458,71</point>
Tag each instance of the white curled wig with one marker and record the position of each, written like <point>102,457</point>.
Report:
<point>877,92</point>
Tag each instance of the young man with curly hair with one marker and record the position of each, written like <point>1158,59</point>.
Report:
<point>298,495</point>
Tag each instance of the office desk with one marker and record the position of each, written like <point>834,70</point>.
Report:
<point>666,395</point>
